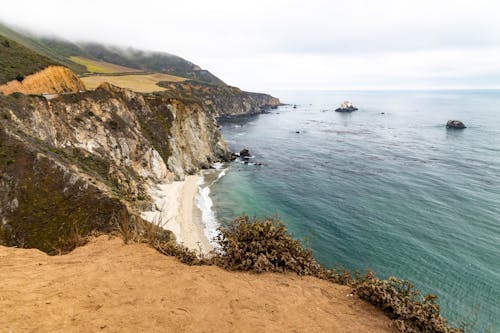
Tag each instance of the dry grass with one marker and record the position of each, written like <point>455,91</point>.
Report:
<point>144,83</point>
<point>94,66</point>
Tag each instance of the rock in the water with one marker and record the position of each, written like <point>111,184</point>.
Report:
<point>245,153</point>
<point>346,107</point>
<point>234,156</point>
<point>455,124</point>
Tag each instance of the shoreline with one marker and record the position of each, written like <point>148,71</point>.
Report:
<point>174,208</point>
<point>190,217</point>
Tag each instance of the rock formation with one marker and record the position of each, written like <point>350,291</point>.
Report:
<point>346,107</point>
<point>224,100</point>
<point>455,124</point>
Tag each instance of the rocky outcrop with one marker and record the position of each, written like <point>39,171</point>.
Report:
<point>346,107</point>
<point>76,161</point>
<point>455,124</point>
<point>224,100</point>
<point>52,80</point>
<point>244,153</point>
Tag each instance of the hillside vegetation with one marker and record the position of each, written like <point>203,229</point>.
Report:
<point>62,51</point>
<point>144,83</point>
<point>17,61</point>
<point>95,66</point>
<point>149,61</point>
<point>36,45</point>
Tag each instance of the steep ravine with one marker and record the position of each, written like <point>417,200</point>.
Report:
<point>72,164</point>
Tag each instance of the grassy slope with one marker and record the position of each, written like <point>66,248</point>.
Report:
<point>19,61</point>
<point>94,66</point>
<point>145,83</point>
<point>150,61</point>
<point>61,51</point>
<point>56,54</point>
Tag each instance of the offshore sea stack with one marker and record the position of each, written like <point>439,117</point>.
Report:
<point>455,124</point>
<point>346,107</point>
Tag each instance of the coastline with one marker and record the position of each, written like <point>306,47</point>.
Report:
<point>190,218</point>
<point>174,209</point>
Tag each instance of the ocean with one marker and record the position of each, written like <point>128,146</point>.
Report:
<point>387,187</point>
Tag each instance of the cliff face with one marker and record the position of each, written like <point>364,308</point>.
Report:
<point>224,100</point>
<point>90,156</point>
<point>52,80</point>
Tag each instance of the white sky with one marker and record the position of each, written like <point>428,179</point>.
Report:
<point>276,45</point>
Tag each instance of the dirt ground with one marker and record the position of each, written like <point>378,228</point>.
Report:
<point>107,286</point>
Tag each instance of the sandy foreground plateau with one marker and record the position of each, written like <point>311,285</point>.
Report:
<point>107,286</point>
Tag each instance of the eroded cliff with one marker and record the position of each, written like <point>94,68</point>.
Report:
<point>224,100</point>
<point>73,163</point>
<point>51,80</point>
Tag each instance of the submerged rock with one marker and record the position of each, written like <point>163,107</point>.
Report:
<point>455,124</point>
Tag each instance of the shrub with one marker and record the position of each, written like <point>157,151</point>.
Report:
<point>263,246</point>
<point>20,77</point>
<point>133,228</point>
<point>404,304</point>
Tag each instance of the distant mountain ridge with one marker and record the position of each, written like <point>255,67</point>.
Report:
<point>60,50</point>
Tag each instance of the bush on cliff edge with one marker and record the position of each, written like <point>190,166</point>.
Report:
<point>258,246</point>
<point>266,246</point>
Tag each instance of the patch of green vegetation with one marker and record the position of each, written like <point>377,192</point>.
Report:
<point>17,61</point>
<point>91,67</point>
<point>57,52</point>
<point>52,213</point>
<point>157,124</point>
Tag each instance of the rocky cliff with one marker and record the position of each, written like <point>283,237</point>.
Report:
<point>71,164</point>
<point>224,100</point>
<point>51,80</point>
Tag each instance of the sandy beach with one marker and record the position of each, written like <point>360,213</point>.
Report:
<point>174,209</point>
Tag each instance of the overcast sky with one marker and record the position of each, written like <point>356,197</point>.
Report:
<point>314,44</point>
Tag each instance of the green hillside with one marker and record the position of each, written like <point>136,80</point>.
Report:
<point>161,62</point>
<point>57,54</point>
<point>17,61</point>
<point>61,50</point>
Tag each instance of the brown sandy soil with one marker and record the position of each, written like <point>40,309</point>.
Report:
<point>107,286</point>
<point>51,80</point>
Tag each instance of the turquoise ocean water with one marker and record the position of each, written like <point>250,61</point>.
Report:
<point>387,187</point>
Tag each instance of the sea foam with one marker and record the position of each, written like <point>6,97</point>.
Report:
<point>205,204</point>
